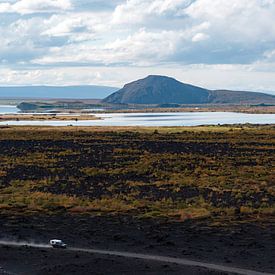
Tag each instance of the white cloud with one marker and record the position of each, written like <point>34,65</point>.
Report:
<point>35,6</point>
<point>142,48</point>
<point>78,27</point>
<point>137,11</point>
<point>270,55</point>
<point>200,37</point>
<point>5,7</point>
<point>236,20</point>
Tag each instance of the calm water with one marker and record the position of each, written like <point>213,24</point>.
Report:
<point>160,119</point>
<point>8,109</point>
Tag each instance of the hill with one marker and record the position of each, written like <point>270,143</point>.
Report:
<point>166,90</point>
<point>64,92</point>
<point>240,97</point>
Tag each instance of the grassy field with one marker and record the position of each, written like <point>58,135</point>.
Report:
<point>180,173</point>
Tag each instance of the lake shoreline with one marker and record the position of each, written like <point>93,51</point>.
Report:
<point>46,117</point>
<point>172,119</point>
<point>247,109</point>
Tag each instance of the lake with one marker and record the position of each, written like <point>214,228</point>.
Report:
<point>8,109</point>
<point>158,119</point>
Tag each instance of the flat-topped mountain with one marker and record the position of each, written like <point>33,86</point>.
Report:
<point>156,89</point>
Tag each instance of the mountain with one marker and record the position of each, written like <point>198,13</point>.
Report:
<point>156,89</point>
<point>64,92</point>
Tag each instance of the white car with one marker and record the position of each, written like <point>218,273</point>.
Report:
<point>57,244</point>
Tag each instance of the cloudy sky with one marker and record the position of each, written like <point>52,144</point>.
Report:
<point>213,43</point>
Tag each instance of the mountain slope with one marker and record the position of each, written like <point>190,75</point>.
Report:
<point>164,90</point>
<point>66,92</point>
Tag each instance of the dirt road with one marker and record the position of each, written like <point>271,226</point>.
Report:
<point>179,261</point>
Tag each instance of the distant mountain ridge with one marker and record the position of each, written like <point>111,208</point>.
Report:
<point>54,92</point>
<point>156,89</point>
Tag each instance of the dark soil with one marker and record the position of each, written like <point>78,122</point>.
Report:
<point>25,261</point>
<point>248,246</point>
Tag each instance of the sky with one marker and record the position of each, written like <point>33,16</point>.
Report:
<point>210,43</point>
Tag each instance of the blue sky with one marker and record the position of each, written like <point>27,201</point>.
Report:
<point>212,43</point>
